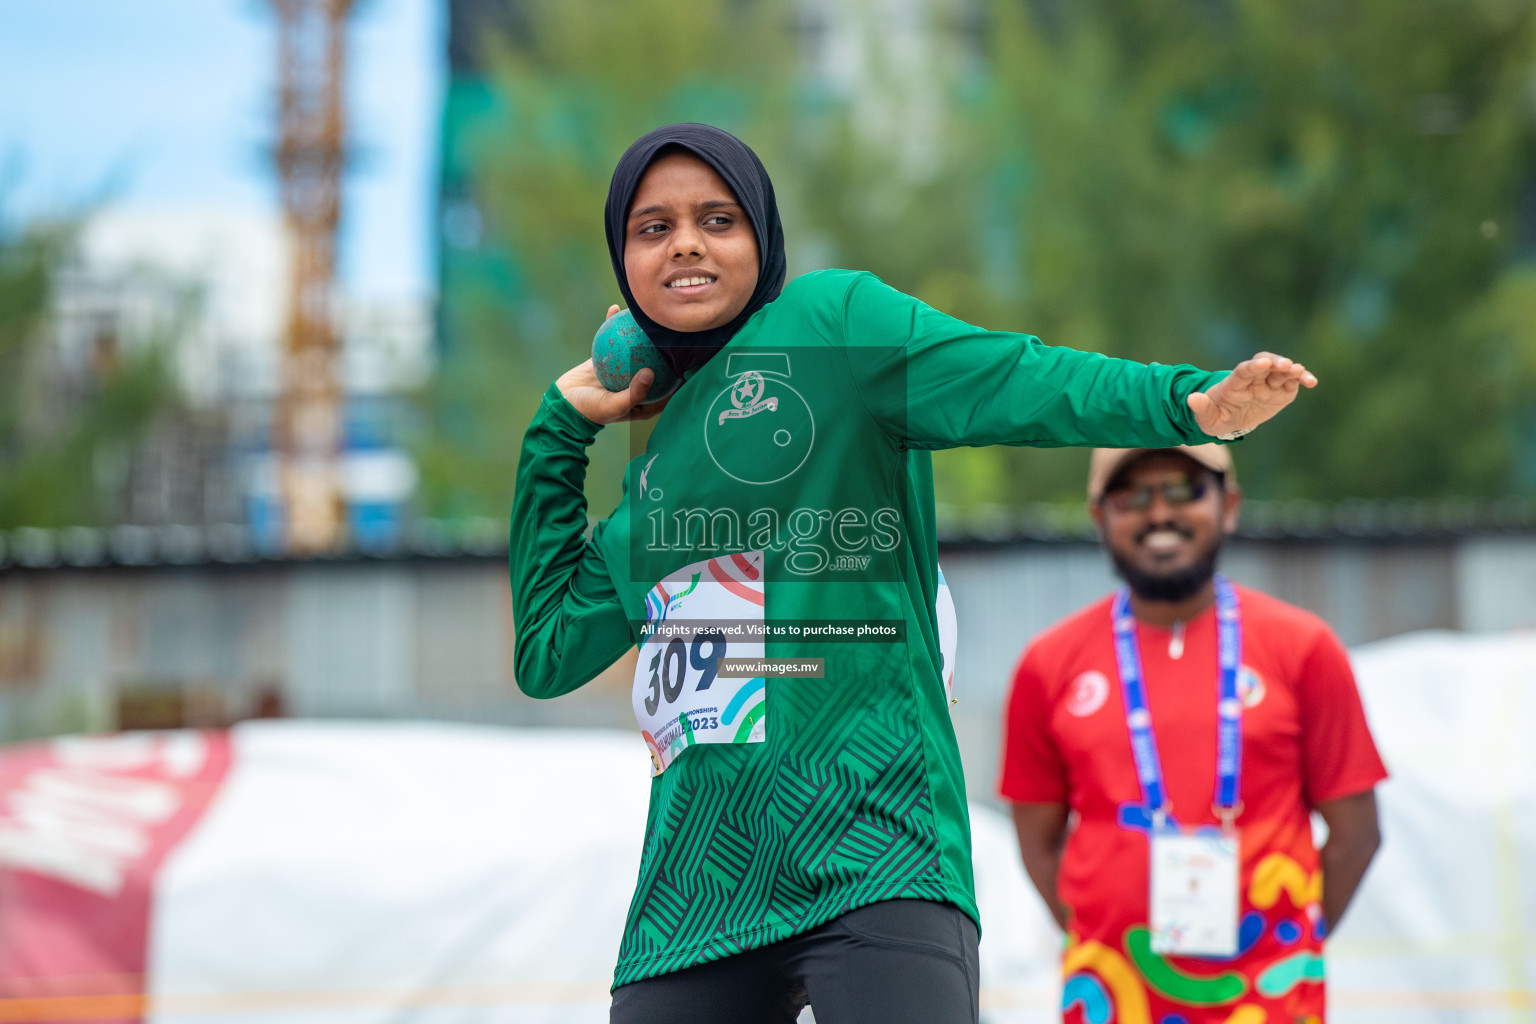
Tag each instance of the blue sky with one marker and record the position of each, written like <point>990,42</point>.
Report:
<point>171,101</point>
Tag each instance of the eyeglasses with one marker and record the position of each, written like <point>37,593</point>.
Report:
<point>1175,492</point>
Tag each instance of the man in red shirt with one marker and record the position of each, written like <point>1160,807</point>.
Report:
<point>1164,749</point>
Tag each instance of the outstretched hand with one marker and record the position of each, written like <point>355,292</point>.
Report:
<point>1254,391</point>
<point>583,390</point>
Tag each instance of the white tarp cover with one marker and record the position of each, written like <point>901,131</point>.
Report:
<point>364,873</point>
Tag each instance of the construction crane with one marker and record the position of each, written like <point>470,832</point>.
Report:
<point>307,420</point>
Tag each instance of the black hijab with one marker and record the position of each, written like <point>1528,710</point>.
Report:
<point>735,162</point>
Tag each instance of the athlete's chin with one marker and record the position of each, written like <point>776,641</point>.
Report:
<point>691,325</point>
<point>691,319</point>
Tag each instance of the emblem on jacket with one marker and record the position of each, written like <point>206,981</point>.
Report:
<point>747,397</point>
<point>759,429</point>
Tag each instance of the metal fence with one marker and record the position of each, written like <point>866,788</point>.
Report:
<point>427,632</point>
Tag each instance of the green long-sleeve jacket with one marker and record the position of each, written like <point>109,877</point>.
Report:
<point>806,439</point>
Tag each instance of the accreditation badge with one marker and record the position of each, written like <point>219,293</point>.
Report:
<point>1194,909</point>
<point>699,614</point>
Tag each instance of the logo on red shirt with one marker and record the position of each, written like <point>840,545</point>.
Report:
<point>1250,687</point>
<point>1087,693</point>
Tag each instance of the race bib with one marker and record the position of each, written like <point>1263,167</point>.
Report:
<point>679,698</point>
<point>1194,893</point>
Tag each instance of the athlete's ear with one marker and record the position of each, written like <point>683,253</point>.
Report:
<point>1096,512</point>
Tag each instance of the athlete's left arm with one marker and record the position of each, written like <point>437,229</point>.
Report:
<point>938,382</point>
<point>568,621</point>
<point>1354,836</point>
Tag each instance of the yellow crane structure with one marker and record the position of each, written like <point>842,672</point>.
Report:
<point>311,148</point>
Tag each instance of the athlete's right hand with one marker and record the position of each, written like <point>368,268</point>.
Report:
<point>583,390</point>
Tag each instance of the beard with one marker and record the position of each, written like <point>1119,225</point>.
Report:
<point>1175,585</point>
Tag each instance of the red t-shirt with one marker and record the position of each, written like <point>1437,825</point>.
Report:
<point>1305,741</point>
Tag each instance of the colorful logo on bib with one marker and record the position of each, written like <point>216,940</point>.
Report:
<point>759,429</point>
<point>658,602</point>
<point>1087,693</point>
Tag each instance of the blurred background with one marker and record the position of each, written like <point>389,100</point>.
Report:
<point>281,284</point>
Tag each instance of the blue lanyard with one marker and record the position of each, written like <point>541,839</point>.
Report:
<point>1229,709</point>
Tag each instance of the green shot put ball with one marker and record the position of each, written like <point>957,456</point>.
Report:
<point>620,349</point>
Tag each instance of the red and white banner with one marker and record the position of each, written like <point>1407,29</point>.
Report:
<point>419,873</point>
<point>85,825</point>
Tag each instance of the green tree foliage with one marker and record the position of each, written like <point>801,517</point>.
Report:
<point>58,430</point>
<point>1342,183</point>
<point>567,96</point>
<point>1353,185</point>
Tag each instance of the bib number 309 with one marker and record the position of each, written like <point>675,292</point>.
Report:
<point>678,696</point>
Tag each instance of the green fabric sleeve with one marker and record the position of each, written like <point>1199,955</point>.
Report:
<point>568,621</point>
<point>936,382</point>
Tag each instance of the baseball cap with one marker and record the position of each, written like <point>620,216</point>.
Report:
<point>1106,462</point>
